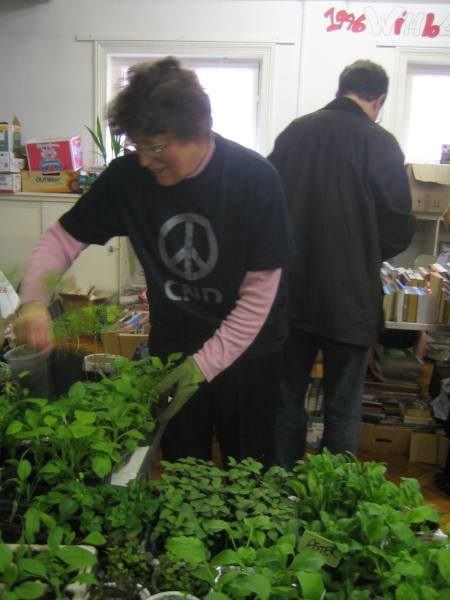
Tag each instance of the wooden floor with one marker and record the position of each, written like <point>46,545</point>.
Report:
<point>398,466</point>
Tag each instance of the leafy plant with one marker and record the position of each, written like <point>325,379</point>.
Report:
<point>89,321</point>
<point>32,573</point>
<point>126,569</point>
<point>117,146</point>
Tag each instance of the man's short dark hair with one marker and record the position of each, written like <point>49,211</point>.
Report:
<point>161,98</point>
<point>364,79</point>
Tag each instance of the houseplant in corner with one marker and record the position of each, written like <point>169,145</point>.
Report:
<point>87,178</point>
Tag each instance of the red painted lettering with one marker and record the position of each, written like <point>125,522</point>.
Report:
<point>398,24</point>
<point>430,30</point>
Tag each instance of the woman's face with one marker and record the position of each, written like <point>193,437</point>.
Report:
<point>170,160</point>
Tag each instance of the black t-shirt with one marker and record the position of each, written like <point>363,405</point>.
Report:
<point>197,239</point>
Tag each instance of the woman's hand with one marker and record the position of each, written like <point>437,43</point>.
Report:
<point>33,326</point>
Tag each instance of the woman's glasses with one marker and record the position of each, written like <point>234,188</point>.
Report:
<point>152,151</point>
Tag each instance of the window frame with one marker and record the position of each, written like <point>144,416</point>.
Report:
<point>262,52</point>
<point>405,59</point>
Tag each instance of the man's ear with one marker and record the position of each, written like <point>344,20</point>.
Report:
<point>377,105</point>
<point>381,99</point>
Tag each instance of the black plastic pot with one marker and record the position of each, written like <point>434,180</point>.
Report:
<point>66,369</point>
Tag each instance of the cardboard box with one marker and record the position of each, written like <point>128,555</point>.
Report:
<point>10,164</point>
<point>384,440</point>
<point>73,300</point>
<point>124,344</point>
<point>54,156</point>
<point>63,183</point>
<point>430,187</point>
<point>11,137</point>
<point>10,182</point>
<point>429,448</point>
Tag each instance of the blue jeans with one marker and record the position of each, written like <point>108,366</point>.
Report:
<point>344,367</point>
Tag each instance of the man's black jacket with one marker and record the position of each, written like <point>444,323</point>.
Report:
<point>350,204</point>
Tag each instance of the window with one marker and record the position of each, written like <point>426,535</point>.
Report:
<point>235,76</point>
<point>428,125</point>
<point>422,103</point>
<point>232,87</point>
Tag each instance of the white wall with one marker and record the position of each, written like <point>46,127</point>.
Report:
<point>47,76</point>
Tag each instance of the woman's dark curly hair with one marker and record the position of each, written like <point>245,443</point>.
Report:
<point>161,98</point>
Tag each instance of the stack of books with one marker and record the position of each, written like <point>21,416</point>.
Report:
<point>396,403</point>
<point>419,295</point>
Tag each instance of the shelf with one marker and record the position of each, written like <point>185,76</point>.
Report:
<point>416,326</point>
<point>39,196</point>
<point>428,216</point>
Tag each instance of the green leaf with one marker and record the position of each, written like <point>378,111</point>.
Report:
<point>422,513</point>
<point>32,522</point>
<point>218,525</point>
<point>405,591</point>
<point>24,469</point>
<point>5,557</point>
<point>50,420</point>
<point>248,555</point>
<point>312,585</point>
<point>80,431</point>
<point>76,557</point>
<point>50,468</point>
<point>188,549</point>
<point>135,434</point>
<point>86,418</point>
<point>444,564</point>
<point>14,427</point>
<point>33,566</point>
<point>95,538</point>
<point>101,465</point>
<point>226,557</point>
<point>29,590</point>
<point>67,508</point>
<point>408,569</point>
<point>88,578</point>
<point>308,560</point>
<point>55,538</point>
<point>255,584</point>
<point>217,596</point>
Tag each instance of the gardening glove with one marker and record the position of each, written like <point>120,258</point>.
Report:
<point>185,380</point>
<point>33,326</point>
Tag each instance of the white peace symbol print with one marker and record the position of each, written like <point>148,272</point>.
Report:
<point>187,262</point>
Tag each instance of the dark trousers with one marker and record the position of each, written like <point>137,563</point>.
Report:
<point>344,367</point>
<point>239,404</point>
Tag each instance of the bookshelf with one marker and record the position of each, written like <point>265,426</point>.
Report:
<point>406,326</point>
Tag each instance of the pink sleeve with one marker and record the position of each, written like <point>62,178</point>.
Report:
<point>242,325</point>
<point>52,255</point>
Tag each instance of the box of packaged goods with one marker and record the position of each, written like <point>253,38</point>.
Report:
<point>430,187</point>
<point>10,164</point>
<point>54,156</point>
<point>10,182</point>
<point>63,183</point>
<point>11,137</point>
